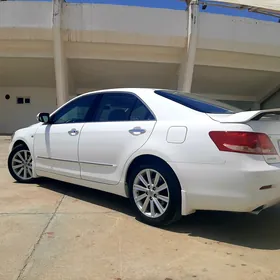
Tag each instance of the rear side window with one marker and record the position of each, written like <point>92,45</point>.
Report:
<point>140,112</point>
<point>198,103</point>
<point>116,107</point>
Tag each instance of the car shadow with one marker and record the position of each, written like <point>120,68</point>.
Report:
<point>243,229</point>
<point>253,231</point>
<point>96,197</point>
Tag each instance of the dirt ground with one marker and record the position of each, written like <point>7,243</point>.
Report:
<point>57,231</point>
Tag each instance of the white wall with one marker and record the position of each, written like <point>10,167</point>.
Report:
<point>101,23</point>
<point>15,116</point>
<point>24,20</point>
<point>136,20</point>
<point>26,14</point>
<point>237,34</point>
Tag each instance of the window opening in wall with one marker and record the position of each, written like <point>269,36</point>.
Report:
<point>19,100</point>
<point>23,100</point>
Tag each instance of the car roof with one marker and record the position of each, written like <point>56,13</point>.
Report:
<point>121,90</point>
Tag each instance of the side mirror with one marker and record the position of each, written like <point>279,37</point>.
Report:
<point>43,117</point>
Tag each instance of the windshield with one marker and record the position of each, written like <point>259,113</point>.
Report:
<point>198,103</point>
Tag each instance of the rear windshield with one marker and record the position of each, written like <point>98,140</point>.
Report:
<point>198,103</point>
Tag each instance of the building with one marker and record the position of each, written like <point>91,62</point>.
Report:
<point>48,55</point>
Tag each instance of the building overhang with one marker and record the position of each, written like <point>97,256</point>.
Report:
<point>268,7</point>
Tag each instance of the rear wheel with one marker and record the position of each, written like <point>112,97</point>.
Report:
<point>155,194</point>
<point>20,164</point>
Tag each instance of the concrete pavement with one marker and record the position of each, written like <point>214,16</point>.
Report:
<point>56,231</point>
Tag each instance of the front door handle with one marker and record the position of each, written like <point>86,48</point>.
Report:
<point>137,131</point>
<point>73,132</point>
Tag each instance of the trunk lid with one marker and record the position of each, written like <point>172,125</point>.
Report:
<point>263,121</point>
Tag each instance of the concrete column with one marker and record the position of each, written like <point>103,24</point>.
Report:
<point>60,61</point>
<point>188,60</point>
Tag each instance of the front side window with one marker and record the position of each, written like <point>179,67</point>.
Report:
<point>115,107</point>
<point>198,103</point>
<point>76,111</point>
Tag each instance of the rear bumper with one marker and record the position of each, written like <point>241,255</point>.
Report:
<point>220,187</point>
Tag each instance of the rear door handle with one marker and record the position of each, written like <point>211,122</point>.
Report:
<point>73,132</point>
<point>137,131</point>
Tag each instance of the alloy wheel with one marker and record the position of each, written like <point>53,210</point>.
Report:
<point>151,193</point>
<point>22,164</point>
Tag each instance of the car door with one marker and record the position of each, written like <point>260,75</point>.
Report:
<point>122,124</point>
<point>56,143</point>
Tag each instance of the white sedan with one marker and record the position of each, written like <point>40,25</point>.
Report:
<point>170,153</point>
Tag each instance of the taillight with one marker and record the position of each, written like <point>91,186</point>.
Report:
<point>243,142</point>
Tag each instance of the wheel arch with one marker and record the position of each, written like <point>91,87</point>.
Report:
<point>146,158</point>
<point>20,142</point>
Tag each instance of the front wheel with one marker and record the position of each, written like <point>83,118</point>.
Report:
<point>155,193</point>
<point>20,164</point>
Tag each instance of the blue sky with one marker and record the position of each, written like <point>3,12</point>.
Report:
<point>175,5</point>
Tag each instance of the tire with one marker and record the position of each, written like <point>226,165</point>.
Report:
<point>20,156</point>
<point>136,188</point>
